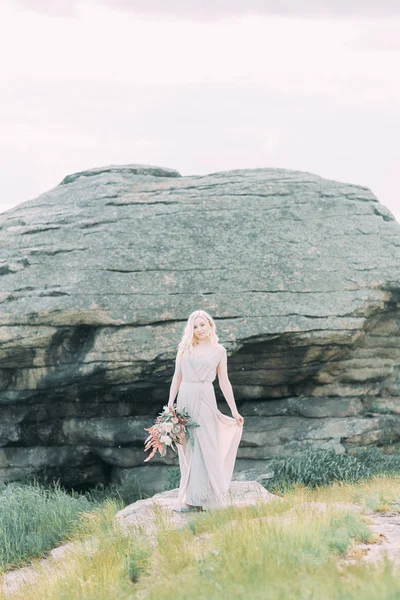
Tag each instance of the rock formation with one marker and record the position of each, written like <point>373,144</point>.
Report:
<point>99,275</point>
<point>142,513</point>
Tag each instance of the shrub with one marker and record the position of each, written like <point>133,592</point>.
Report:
<point>316,467</point>
<point>378,462</point>
<point>322,467</point>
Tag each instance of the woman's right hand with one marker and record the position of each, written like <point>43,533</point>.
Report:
<point>238,418</point>
<point>171,408</point>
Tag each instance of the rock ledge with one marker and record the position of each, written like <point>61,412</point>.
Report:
<point>241,493</point>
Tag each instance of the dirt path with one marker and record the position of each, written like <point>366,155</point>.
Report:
<point>13,580</point>
<point>386,529</point>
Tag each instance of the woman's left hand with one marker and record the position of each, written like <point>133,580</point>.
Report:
<point>238,418</point>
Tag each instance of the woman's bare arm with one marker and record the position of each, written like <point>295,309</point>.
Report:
<point>226,387</point>
<point>176,381</point>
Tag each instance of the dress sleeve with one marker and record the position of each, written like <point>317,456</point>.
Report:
<point>222,353</point>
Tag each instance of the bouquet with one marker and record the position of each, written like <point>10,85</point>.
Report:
<point>170,429</point>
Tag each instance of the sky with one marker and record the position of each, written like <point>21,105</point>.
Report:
<point>199,86</point>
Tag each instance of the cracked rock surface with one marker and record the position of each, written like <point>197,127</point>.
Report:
<point>97,279</point>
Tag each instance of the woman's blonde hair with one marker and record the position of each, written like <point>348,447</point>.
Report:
<point>188,340</point>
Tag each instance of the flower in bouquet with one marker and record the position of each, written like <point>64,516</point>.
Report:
<point>170,429</point>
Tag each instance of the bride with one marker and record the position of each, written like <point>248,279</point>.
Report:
<point>207,462</point>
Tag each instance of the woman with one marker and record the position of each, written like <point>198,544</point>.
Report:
<point>206,464</point>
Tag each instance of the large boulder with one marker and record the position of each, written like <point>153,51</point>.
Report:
<point>98,276</point>
<point>146,513</point>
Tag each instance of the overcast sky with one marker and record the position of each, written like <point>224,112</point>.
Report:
<point>200,86</point>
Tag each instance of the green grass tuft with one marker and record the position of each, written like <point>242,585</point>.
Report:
<point>322,467</point>
<point>34,519</point>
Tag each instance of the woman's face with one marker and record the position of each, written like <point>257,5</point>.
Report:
<point>201,328</point>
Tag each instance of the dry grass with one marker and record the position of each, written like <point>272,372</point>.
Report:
<point>290,549</point>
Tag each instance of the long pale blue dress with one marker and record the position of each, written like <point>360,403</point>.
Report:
<point>207,465</point>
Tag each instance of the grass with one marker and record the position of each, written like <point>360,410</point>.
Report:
<point>34,519</point>
<point>102,561</point>
<point>288,548</point>
<point>280,550</point>
<point>321,467</point>
<point>380,493</point>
